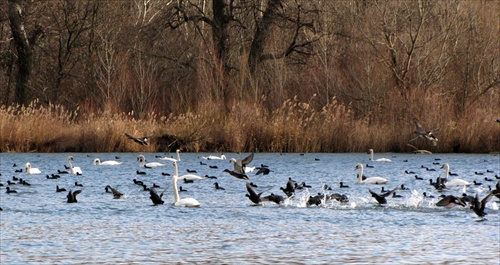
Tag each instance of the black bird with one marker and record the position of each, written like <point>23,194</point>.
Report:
<point>142,141</point>
<point>237,175</point>
<point>487,179</point>
<point>138,182</point>
<point>188,180</point>
<point>210,177</point>
<point>145,188</point>
<point>252,195</point>
<point>181,189</point>
<point>326,187</point>
<point>477,183</point>
<point>394,195</point>
<point>191,171</point>
<point>155,198</point>
<point>403,187</point>
<point>450,201</point>
<point>60,189</point>
<point>427,196</point>
<point>304,185</point>
<point>343,186</point>
<point>19,170</point>
<point>217,187</point>
<point>289,190</point>
<point>10,191</point>
<point>165,174</point>
<point>273,198</point>
<point>381,198</point>
<point>140,172</point>
<point>418,178</point>
<point>72,196</point>
<point>478,173</point>
<point>263,171</point>
<point>369,166</point>
<point>409,172</point>
<point>203,164</point>
<point>478,206</point>
<point>15,178</point>
<point>10,182</point>
<point>338,197</point>
<point>213,166</point>
<point>156,185</point>
<point>78,184</point>
<point>116,194</point>
<point>315,200</point>
<point>62,171</point>
<point>253,185</point>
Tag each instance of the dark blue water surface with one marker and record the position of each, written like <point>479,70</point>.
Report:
<point>38,226</point>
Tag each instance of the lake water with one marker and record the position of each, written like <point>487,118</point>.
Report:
<point>38,226</point>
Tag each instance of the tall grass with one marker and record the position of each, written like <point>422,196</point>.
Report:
<point>295,126</point>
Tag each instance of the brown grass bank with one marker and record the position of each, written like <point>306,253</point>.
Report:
<point>294,127</point>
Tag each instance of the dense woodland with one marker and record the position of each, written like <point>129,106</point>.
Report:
<point>249,75</point>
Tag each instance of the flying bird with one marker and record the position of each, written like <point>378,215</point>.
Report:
<point>421,133</point>
<point>155,198</point>
<point>381,198</point>
<point>72,196</point>
<point>142,140</point>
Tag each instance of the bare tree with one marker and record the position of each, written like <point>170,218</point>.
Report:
<point>24,42</point>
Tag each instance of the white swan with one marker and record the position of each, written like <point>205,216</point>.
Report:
<point>453,182</point>
<point>32,170</point>
<point>98,162</point>
<point>173,159</point>
<point>191,177</point>
<point>142,160</point>
<point>74,170</point>
<point>371,180</point>
<point>212,157</point>
<point>378,160</point>
<point>185,202</point>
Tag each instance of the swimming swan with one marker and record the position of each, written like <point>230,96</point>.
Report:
<point>185,202</point>
<point>32,170</point>
<point>453,182</point>
<point>98,162</point>
<point>212,157</point>
<point>74,170</point>
<point>173,159</point>
<point>371,180</point>
<point>378,160</point>
<point>142,160</point>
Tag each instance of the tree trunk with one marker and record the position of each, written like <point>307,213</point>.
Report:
<point>261,34</point>
<point>23,47</point>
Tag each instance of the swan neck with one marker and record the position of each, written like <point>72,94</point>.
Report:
<point>360,176</point>
<point>174,186</point>
<point>371,157</point>
<point>178,156</point>
<point>446,172</point>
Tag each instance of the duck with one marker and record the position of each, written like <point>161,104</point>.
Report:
<point>78,184</point>
<point>138,182</point>
<point>379,159</point>
<point>263,171</point>
<point>72,196</point>
<point>155,198</point>
<point>178,202</point>
<point>450,201</point>
<point>343,186</point>
<point>421,133</point>
<point>370,180</point>
<point>9,190</point>
<point>140,172</point>
<point>32,170</point>
<point>453,182</point>
<point>172,159</point>
<point>116,194</point>
<point>142,161</point>
<point>240,164</point>
<point>252,195</point>
<point>217,187</point>
<point>273,198</point>
<point>427,196</point>
<point>74,170</point>
<point>478,205</point>
<point>60,189</point>
<point>142,141</point>
<point>97,162</point>
<point>381,198</point>
<point>289,190</point>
